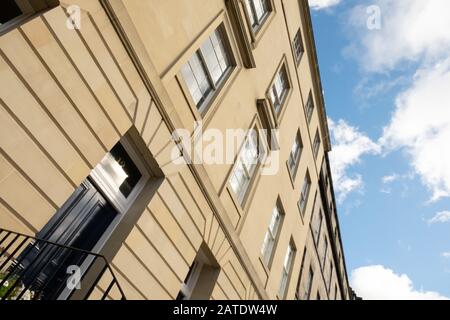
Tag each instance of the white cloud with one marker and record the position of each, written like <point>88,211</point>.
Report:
<point>380,283</point>
<point>323,4</point>
<point>421,126</point>
<point>440,217</point>
<point>411,30</point>
<point>445,255</point>
<point>391,178</point>
<point>349,145</point>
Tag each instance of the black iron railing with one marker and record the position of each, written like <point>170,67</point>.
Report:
<point>37,269</point>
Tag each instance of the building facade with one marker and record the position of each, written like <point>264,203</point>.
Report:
<point>108,111</point>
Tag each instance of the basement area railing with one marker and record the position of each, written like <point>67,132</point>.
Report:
<point>36,269</point>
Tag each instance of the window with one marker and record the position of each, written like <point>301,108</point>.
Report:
<point>201,278</point>
<point>287,268</point>
<point>9,11</point>
<point>317,226</point>
<point>309,108</point>
<point>257,10</point>
<point>246,165</point>
<point>119,176</point>
<point>267,249</point>
<point>14,10</point>
<point>323,258</point>
<point>308,284</point>
<point>294,156</point>
<point>279,89</point>
<point>269,123</point>
<point>298,47</point>
<point>305,193</point>
<point>207,68</point>
<point>317,143</point>
<point>330,276</point>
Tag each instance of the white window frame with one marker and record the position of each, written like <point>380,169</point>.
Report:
<point>249,171</point>
<point>269,244</point>
<point>298,46</point>
<point>295,155</point>
<point>287,269</point>
<point>103,181</point>
<point>255,22</point>
<point>304,194</point>
<point>280,83</point>
<point>214,86</point>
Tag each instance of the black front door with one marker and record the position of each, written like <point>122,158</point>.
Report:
<point>80,224</point>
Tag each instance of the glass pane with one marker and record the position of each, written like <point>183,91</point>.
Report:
<point>288,258</point>
<point>260,9</point>
<point>196,79</point>
<point>302,203</point>
<point>279,86</point>
<point>251,13</point>
<point>283,284</point>
<point>269,249</point>
<point>239,178</point>
<point>246,164</point>
<point>265,243</point>
<point>211,61</point>
<point>191,82</point>
<point>235,185</point>
<point>275,222</point>
<point>9,11</point>
<point>310,109</point>
<point>200,75</point>
<point>122,173</point>
<point>250,152</point>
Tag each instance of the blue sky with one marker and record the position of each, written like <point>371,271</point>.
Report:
<point>385,67</point>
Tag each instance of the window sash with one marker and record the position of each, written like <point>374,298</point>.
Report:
<point>294,156</point>
<point>287,267</point>
<point>207,68</point>
<point>246,165</point>
<point>298,46</point>
<point>317,143</point>
<point>257,11</point>
<point>271,235</point>
<point>309,109</point>
<point>214,54</point>
<point>279,89</point>
<point>305,193</point>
